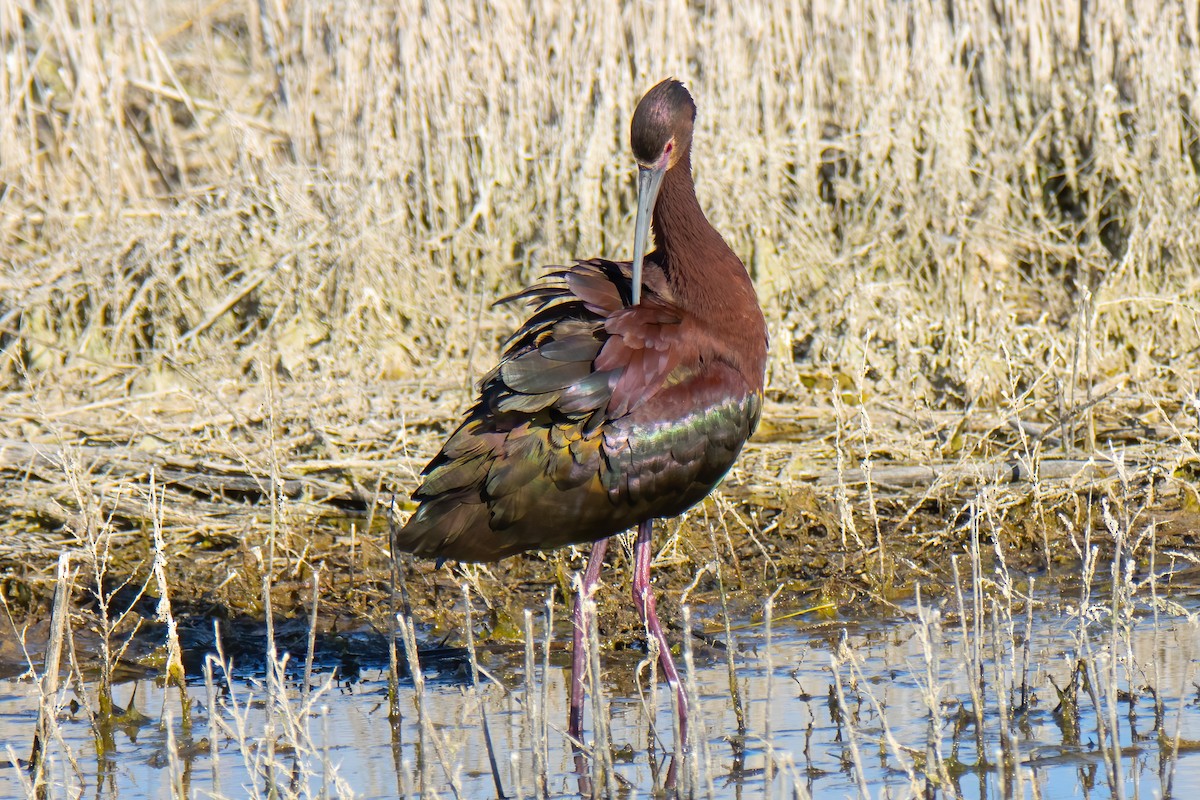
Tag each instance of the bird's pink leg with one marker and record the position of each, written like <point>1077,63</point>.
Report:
<point>578,651</point>
<point>643,598</point>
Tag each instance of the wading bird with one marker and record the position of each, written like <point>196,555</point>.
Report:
<point>625,397</point>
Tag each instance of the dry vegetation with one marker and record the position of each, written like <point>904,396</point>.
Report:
<point>251,248</point>
<point>248,250</point>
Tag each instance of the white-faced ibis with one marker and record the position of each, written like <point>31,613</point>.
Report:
<point>625,397</point>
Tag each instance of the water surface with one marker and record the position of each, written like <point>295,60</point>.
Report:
<point>801,734</point>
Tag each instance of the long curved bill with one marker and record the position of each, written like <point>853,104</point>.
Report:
<point>649,181</point>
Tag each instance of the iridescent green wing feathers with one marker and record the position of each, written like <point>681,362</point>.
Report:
<point>532,445</point>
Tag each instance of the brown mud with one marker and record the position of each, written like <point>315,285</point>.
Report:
<point>836,526</point>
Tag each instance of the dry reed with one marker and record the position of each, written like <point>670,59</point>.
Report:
<point>972,221</point>
<point>250,249</point>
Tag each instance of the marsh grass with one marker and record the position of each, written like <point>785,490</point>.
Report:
<point>254,249</point>
<point>976,680</point>
<point>248,253</point>
<point>920,189</point>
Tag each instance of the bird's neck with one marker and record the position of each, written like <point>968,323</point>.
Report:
<point>707,278</point>
<point>704,273</point>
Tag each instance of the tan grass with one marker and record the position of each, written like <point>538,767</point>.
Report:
<point>265,238</point>
<point>354,184</point>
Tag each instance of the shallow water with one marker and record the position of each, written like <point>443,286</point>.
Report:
<point>881,734</point>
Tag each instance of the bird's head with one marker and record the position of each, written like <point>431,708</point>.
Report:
<point>661,130</point>
<point>660,134</point>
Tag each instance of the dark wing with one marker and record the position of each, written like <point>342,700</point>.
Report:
<point>528,468</point>
<point>586,352</point>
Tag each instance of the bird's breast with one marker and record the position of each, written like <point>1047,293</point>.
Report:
<point>670,452</point>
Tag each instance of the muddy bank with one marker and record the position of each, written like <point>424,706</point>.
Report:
<point>850,548</point>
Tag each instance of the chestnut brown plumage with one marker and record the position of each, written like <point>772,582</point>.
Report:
<point>625,397</point>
